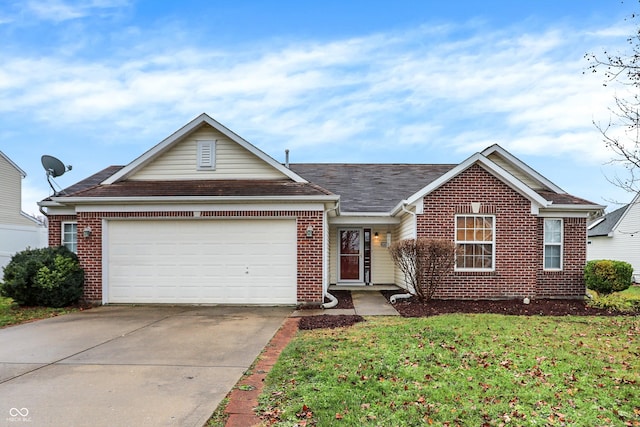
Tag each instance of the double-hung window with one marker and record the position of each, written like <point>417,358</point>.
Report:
<point>70,236</point>
<point>475,239</point>
<point>552,244</point>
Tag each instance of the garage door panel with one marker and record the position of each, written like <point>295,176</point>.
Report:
<point>202,261</point>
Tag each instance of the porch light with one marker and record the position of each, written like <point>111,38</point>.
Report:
<point>375,235</point>
<point>86,232</point>
<point>310,231</point>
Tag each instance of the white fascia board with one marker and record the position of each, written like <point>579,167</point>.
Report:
<point>522,166</point>
<point>36,221</point>
<point>12,163</point>
<point>489,166</point>
<point>165,144</point>
<point>61,210</point>
<point>199,207</point>
<point>363,220</point>
<point>569,211</point>
<point>404,203</point>
<point>596,222</point>
<point>195,199</point>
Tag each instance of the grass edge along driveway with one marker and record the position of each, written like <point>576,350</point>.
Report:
<point>459,369</point>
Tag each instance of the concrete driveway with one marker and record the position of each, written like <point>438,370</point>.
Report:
<point>123,366</point>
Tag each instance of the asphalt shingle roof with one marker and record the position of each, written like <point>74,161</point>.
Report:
<point>607,222</point>
<point>370,187</point>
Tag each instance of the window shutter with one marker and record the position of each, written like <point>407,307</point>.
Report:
<point>206,154</point>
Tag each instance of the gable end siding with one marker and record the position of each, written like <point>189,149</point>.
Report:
<point>516,261</point>
<point>231,161</point>
<point>508,166</point>
<point>10,194</point>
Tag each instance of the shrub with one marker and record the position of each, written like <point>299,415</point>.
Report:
<point>49,277</point>
<point>606,276</point>
<point>424,263</point>
<point>615,302</point>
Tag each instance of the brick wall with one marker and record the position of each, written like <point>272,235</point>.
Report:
<point>55,227</point>
<point>570,281</point>
<point>518,239</point>
<point>309,254</point>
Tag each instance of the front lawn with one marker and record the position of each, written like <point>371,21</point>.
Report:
<point>12,314</point>
<point>460,369</point>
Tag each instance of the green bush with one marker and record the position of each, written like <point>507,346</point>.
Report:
<point>49,277</point>
<point>606,276</point>
<point>615,302</point>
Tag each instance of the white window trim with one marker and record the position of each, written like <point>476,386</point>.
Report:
<point>210,162</point>
<point>62,233</point>
<point>545,244</point>
<point>493,243</point>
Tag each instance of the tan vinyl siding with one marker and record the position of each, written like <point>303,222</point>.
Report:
<point>405,230</point>
<point>625,243</point>
<point>333,254</point>
<point>10,194</point>
<point>509,167</point>
<point>232,161</point>
<point>382,268</point>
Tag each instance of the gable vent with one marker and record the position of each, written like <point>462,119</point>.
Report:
<point>206,154</point>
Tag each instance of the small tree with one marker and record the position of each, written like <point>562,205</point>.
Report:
<point>621,133</point>
<point>424,263</point>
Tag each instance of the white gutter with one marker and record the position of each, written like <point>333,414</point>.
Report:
<point>415,218</point>
<point>60,201</point>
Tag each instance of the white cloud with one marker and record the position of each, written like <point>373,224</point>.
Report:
<point>65,10</point>
<point>525,91</point>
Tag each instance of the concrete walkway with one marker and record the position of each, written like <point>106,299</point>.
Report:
<point>365,303</point>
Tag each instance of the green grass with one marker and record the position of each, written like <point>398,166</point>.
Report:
<point>12,314</point>
<point>469,370</point>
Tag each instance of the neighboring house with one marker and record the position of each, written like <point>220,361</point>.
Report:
<point>206,217</point>
<point>17,229</point>
<point>616,236</point>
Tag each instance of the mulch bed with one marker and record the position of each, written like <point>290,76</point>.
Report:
<point>329,321</point>
<point>412,307</point>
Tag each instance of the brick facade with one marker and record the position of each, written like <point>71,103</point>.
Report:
<point>518,241</point>
<point>309,251</point>
<point>570,281</point>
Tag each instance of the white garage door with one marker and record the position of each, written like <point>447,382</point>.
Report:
<point>201,261</point>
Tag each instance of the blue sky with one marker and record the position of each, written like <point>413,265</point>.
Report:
<point>99,82</point>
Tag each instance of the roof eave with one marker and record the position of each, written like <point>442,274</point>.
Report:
<point>522,166</point>
<point>65,201</point>
<point>492,168</point>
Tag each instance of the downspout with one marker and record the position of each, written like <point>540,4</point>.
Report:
<point>333,301</point>
<point>395,297</point>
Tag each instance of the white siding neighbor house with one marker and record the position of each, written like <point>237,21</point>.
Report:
<point>17,229</point>
<point>616,236</point>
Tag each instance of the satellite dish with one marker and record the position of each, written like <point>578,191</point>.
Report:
<point>54,168</point>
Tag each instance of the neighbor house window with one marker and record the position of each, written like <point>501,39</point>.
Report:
<point>70,236</point>
<point>475,239</point>
<point>553,244</point>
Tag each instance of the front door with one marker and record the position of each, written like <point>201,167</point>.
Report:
<point>350,255</point>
